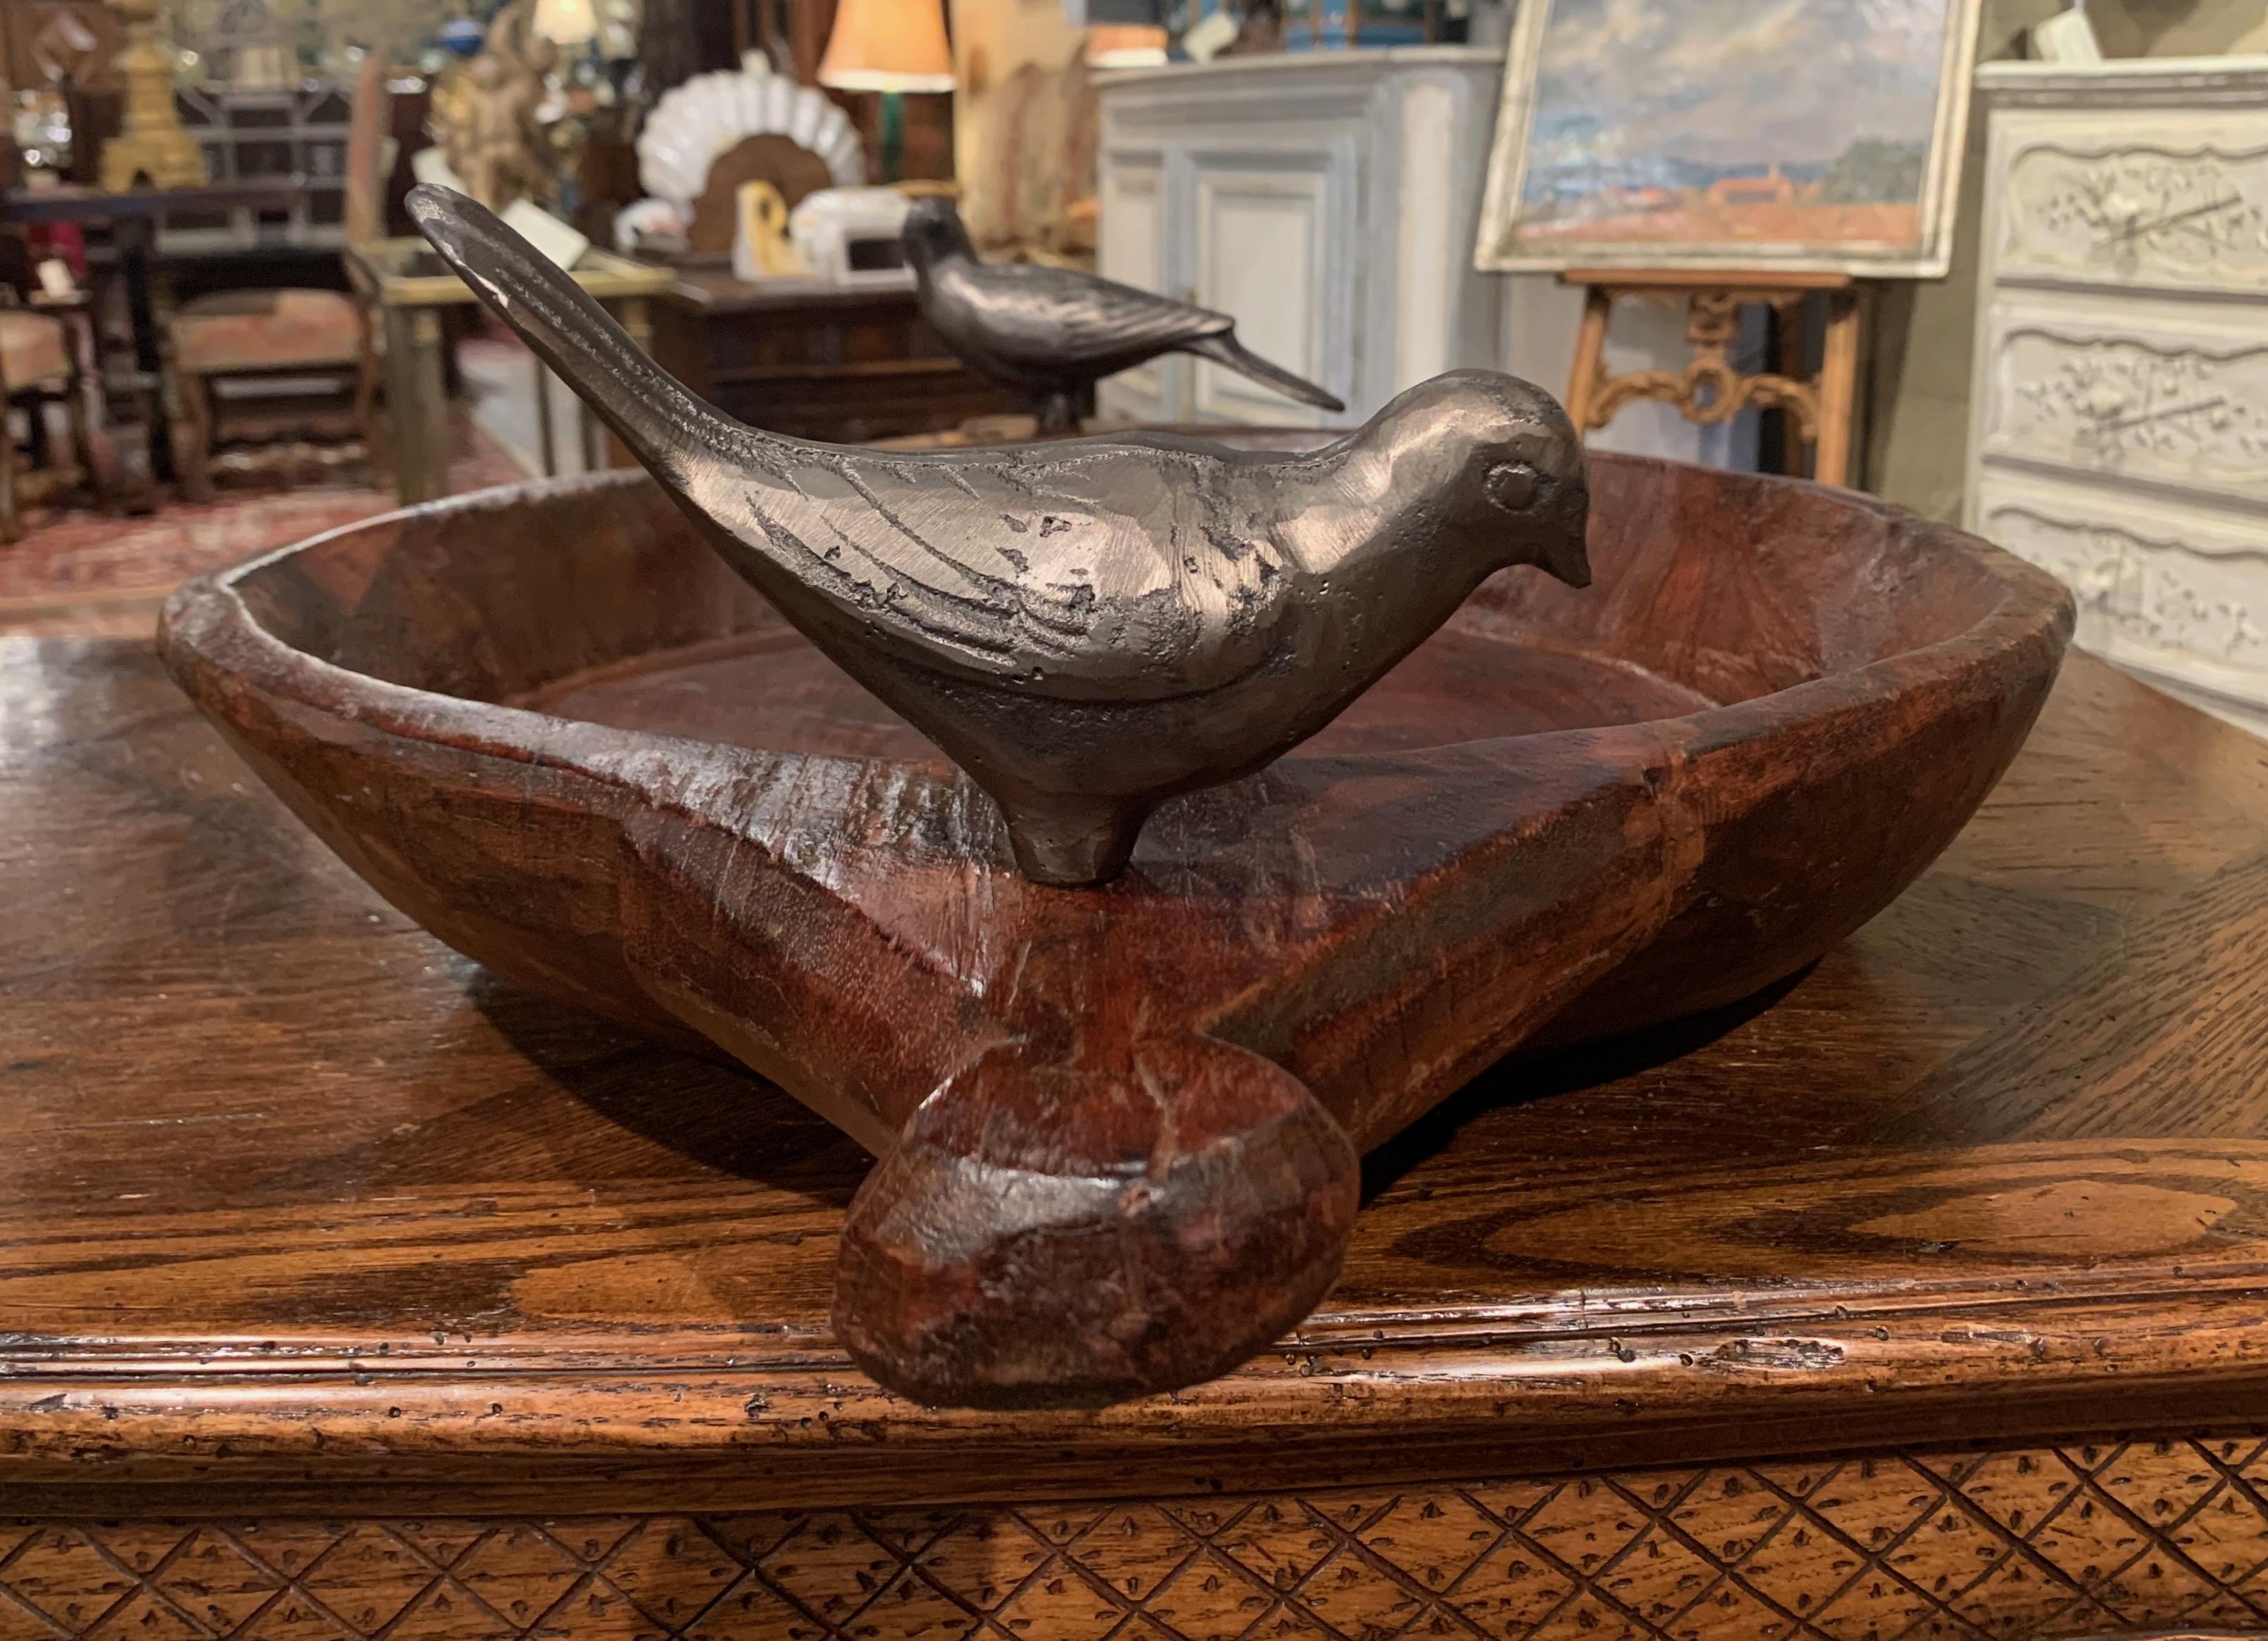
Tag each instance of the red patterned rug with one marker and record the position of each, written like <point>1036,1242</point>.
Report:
<point>83,573</point>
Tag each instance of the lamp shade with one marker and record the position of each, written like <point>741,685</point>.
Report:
<point>1127,45</point>
<point>888,46</point>
<point>566,22</point>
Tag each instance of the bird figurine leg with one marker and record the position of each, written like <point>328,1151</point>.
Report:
<point>1066,841</point>
<point>1058,415</point>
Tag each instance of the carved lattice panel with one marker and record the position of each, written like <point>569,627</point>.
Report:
<point>2045,1541</point>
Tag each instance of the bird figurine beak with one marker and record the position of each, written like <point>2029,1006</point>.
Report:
<point>1569,558</point>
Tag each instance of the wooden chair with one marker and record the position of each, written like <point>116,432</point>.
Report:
<point>245,335</point>
<point>42,355</point>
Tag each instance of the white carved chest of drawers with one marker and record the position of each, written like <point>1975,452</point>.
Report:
<point>2120,435</point>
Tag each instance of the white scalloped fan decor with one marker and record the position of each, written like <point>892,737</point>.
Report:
<point>710,115</point>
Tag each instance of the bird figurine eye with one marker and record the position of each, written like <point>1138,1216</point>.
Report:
<point>1511,485</point>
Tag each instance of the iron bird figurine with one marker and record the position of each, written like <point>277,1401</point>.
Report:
<point>1054,332</point>
<point>1092,627</point>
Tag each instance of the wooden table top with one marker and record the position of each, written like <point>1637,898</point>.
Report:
<point>716,291</point>
<point>290,1195</point>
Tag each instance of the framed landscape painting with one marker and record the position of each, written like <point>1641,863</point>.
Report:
<point>1766,136</point>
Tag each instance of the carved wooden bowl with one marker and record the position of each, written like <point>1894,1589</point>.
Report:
<point>1119,1127</point>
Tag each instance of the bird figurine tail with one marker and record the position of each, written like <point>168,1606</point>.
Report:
<point>662,423</point>
<point>1227,349</point>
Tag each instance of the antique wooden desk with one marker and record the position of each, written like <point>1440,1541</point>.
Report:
<point>411,286</point>
<point>343,1292</point>
<point>847,366</point>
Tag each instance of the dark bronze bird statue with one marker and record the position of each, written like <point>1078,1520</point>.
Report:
<point>1091,627</point>
<point>1052,333</point>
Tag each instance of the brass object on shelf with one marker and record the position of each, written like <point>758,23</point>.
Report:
<point>154,148</point>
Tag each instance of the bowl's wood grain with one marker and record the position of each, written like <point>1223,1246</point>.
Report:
<point>1119,1127</point>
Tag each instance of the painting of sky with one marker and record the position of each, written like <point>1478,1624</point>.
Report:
<point>1805,121</point>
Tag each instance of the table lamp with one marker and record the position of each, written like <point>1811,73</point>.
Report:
<point>1131,33</point>
<point>567,22</point>
<point>892,46</point>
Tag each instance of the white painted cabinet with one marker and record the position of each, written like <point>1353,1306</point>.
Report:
<point>1325,200</point>
<point>2120,433</point>
<point>1264,237</point>
<point>1132,199</point>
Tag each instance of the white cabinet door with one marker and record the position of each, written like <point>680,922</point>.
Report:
<point>1273,252</point>
<point>1133,252</point>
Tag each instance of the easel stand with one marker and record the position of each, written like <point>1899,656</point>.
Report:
<point>1713,389</point>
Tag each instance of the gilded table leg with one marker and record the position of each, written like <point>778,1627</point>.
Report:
<point>400,403</point>
<point>590,438</point>
<point>418,403</point>
<point>590,442</point>
<point>636,321</point>
<point>546,437</point>
<point>433,402</point>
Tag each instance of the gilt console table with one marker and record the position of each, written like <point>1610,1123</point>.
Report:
<point>344,1292</point>
<point>411,286</point>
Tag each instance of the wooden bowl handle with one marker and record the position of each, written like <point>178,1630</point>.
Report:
<point>1060,1234</point>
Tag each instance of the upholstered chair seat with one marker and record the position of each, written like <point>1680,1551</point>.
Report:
<point>34,348</point>
<point>261,330</point>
